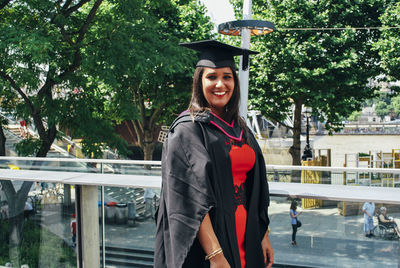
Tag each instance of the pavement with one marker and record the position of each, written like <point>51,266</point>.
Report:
<point>326,238</point>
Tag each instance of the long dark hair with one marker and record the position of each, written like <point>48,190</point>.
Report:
<point>199,104</point>
<point>293,205</point>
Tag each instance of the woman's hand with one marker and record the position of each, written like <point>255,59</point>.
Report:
<point>268,251</point>
<point>219,261</point>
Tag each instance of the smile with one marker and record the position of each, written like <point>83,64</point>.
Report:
<point>219,93</point>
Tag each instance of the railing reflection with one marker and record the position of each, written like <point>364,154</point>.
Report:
<point>127,193</point>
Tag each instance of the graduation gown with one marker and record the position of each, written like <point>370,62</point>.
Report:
<point>196,180</point>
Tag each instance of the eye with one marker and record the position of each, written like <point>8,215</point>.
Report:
<point>227,77</point>
<point>211,77</point>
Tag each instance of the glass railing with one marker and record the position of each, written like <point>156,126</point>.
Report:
<point>126,194</point>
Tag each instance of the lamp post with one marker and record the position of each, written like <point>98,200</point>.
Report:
<point>245,28</point>
<point>307,154</point>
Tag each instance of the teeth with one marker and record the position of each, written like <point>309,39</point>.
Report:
<point>219,93</point>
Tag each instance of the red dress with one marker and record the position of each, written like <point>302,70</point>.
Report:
<point>242,161</point>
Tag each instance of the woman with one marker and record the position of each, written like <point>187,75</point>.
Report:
<point>293,219</point>
<point>214,203</point>
<point>387,221</point>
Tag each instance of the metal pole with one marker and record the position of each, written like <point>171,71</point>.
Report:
<point>244,75</point>
<point>103,230</point>
<point>308,133</point>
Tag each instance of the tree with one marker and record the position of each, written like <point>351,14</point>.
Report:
<point>305,64</point>
<point>354,116</point>
<point>41,54</point>
<point>382,109</point>
<point>395,104</point>
<point>389,42</point>
<point>147,69</point>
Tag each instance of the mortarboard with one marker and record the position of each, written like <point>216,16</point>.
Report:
<point>215,54</point>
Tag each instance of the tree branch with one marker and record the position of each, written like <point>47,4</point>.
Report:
<point>139,132</point>
<point>66,4</point>
<point>65,36</point>
<point>19,90</point>
<point>8,188</point>
<point>89,19</point>
<point>49,82</point>
<point>72,9</point>
<point>77,55</point>
<point>142,108</point>
<point>156,115</point>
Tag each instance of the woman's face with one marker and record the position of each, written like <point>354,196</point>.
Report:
<point>218,85</point>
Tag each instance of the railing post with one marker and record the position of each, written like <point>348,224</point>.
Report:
<point>90,238</point>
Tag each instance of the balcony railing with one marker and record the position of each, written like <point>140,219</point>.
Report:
<point>113,199</point>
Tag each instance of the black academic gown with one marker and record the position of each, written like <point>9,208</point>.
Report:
<point>196,180</point>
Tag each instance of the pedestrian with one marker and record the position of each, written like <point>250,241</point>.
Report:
<point>214,200</point>
<point>71,149</point>
<point>369,210</point>
<point>294,220</point>
<point>73,229</point>
<point>28,210</point>
<point>5,210</point>
<point>24,131</point>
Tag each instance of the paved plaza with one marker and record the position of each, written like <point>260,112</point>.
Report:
<point>326,239</point>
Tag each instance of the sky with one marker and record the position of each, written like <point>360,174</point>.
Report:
<point>219,11</point>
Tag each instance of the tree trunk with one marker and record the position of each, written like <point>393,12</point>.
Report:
<point>148,145</point>
<point>16,204</point>
<point>16,234</point>
<point>295,149</point>
<point>16,217</point>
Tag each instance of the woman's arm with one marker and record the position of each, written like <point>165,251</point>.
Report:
<point>295,216</point>
<point>382,219</point>
<point>209,242</point>
<point>268,251</point>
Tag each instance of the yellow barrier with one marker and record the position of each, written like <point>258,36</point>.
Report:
<point>308,176</point>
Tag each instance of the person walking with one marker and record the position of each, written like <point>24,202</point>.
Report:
<point>214,201</point>
<point>73,229</point>
<point>294,220</point>
<point>369,210</point>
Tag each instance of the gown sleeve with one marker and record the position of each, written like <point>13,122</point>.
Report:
<point>186,196</point>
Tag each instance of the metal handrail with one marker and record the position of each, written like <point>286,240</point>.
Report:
<point>158,163</point>
<point>298,190</point>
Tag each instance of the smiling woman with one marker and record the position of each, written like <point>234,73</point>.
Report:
<point>218,85</point>
<point>214,202</point>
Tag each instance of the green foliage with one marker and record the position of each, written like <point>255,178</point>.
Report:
<point>390,41</point>
<point>354,116</point>
<point>42,47</point>
<point>326,70</point>
<point>28,147</point>
<point>382,109</point>
<point>395,104</point>
<point>140,60</point>
<point>36,243</point>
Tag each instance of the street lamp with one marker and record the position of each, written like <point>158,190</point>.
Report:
<point>307,154</point>
<point>245,28</point>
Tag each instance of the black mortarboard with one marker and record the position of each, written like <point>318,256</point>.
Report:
<point>215,54</point>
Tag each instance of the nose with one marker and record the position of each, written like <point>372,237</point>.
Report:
<point>219,83</point>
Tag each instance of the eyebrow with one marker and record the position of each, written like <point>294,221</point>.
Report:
<point>214,73</point>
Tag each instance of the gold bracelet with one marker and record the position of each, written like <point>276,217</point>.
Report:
<point>213,254</point>
<point>268,230</point>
